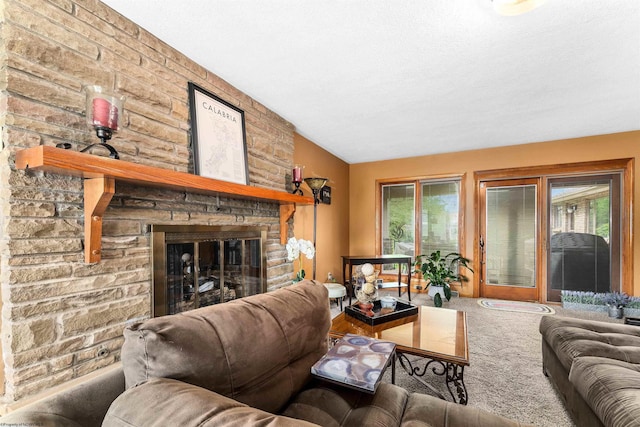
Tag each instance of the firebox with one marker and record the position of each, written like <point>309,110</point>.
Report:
<point>198,265</point>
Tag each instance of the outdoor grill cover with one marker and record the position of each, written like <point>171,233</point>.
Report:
<point>580,262</point>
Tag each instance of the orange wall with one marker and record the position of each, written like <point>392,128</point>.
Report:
<point>332,235</point>
<point>363,176</point>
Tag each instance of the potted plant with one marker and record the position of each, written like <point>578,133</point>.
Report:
<point>438,271</point>
<point>616,301</point>
<point>582,300</point>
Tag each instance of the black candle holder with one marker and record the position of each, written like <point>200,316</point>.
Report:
<point>104,133</point>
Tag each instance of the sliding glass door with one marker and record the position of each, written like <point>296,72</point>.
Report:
<point>550,233</point>
<point>583,234</point>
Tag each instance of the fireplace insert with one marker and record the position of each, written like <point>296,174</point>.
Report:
<point>197,265</point>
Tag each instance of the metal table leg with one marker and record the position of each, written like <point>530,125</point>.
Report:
<point>454,376</point>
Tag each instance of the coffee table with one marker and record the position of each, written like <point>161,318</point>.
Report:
<point>437,335</point>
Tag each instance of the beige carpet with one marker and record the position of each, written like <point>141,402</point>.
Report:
<point>505,373</point>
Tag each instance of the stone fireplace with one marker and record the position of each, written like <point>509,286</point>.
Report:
<point>63,317</point>
<point>197,265</point>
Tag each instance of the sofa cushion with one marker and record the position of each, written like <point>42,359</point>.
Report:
<point>428,411</point>
<point>571,338</point>
<point>610,387</point>
<point>332,405</point>
<point>258,350</point>
<point>162,402</point>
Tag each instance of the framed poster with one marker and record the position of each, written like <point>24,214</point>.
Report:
<point>325,195</point>
<point>218,137</point>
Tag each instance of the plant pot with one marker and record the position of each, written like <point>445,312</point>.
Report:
<point>616,312</point>
<point>585,307</point>
<point>437,294</point>
<point>632,312</point>
<point>433,290</point>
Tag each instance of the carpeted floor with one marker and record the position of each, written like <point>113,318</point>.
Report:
<point>505,373</point>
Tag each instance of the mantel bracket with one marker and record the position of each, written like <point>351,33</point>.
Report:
<point>286,212</point>
<point>97,195</point>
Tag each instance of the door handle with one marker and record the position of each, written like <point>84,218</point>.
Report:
<point>481,243</point>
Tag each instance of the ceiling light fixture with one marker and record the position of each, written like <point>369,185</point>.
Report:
<point>515,7</point>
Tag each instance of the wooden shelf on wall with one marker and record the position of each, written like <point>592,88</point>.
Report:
<point>101,173</point>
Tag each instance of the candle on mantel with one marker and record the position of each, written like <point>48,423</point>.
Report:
<point>105,114</point>
<point>297,174</point>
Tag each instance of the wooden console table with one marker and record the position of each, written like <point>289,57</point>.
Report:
<point>381,259</point>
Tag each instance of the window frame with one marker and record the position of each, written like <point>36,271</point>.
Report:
<point>624,166</point>
<point>417,182</point>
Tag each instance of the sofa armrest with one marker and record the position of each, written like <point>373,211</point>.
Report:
<point>163,401</point>
<point>611,388</point>
<point>84,405</point>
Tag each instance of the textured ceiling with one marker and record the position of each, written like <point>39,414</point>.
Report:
<point>380,79</point>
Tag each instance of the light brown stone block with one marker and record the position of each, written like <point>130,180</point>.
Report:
<point>31,334</point>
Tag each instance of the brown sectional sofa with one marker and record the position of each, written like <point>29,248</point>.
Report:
<point>245,362</point>
<point>595,366</point>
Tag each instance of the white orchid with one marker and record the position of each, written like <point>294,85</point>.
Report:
<point>295,249</point>
<point>306,247</point>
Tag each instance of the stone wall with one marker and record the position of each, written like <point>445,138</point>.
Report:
<point>62,318</point>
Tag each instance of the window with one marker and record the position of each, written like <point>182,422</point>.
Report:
<point>398,226</point>
<point>436,202</point>
<point>440,213</point>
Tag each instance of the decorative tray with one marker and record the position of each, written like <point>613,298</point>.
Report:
<point>402,309</point>
<point>355,361</point>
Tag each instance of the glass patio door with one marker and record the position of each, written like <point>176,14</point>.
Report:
<point>509,244</point>
<point>583,234</point>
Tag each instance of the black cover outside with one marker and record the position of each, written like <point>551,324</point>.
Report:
<point>579,262</point>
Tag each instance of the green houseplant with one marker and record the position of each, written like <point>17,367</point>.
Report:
<point>439,271</point>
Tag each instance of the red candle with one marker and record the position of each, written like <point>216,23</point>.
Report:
<point>297,174</point>
<point>105,114</point>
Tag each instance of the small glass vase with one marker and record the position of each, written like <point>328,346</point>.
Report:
<point>364,298</point>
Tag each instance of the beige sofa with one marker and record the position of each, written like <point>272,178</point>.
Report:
<point>595,366</point>
<point>245,362</point>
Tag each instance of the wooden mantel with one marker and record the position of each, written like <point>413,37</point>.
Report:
<point>101,173</point>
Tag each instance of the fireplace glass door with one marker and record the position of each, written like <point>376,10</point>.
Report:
<point>193,270</point>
